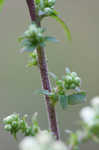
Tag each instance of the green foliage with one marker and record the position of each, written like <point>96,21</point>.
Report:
<point>90,117</point>
<point>90,126</point>
<point>89,130</point>
<point>14,124</point>
<point>65,27</point>
<point>33,59</point>
<point>34,38</point>
<point>76,98</point>
<point>45,8</point>
<point>67,90</point>
<point>1,3</point>
<point>63,101</point>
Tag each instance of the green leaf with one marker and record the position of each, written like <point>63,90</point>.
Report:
<point>63,99</point>
<point>25,43</point>
<point>42,44</point>
<point>63,25</point>
<point>53,76</point>
<point>1,3</point>
<point>76,98</point>
<point>21,38</point>
<point>45,92</point>
<point>27,49</point>
<point>51,39</point>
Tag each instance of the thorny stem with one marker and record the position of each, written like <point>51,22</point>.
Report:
<point>44,76</point>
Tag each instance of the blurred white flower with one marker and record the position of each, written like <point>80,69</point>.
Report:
<point>29,143</point>
<point>58,145</point>
<point>43,141</point>
<point>44,137</point>
<point>88,114</point>
<point>95,102</point>
<point>10,118</point>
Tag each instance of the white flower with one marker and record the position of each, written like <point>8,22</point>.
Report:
<point>58,145</point>
<point>95,102</point>
<point>88,114</point>
<point>43,141</point>
<point>44,138</point>
<point>29,143</point>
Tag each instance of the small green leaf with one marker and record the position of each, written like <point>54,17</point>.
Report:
<point>45,92</point>
<point>53,76</point>
<point>25,43</point>
<point>76,98</point>
<point>20,38</point>
<point>63,99</point>
<point>27,49</point>
<point>1,3</point>
<point>64,26</point>
<point>42,44</point>
<point>51,39</point>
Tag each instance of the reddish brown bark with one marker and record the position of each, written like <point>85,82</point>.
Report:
<point>44,76</point>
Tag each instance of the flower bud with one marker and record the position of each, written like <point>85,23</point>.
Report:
<point>48,10</point>
<point>72,86</point>
<point>10,118</point>
<point>14,124</point>
<point>51,2</point>
<point>74,74</point>
<point>68,72</point>
<point>77,80</point>
<point>68,79</point>
<point>8,127</point>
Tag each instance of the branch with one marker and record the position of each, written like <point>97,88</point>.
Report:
<point>31,7</point>
<point>44,76</point>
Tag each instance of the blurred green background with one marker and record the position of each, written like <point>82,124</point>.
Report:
<point>17,83</point>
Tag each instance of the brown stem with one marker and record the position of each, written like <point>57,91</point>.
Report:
<point>44,76</point>
<point>31,7</point>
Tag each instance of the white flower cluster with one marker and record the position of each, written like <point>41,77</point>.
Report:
<point>45,6</point>
<point>43,141</point>
<point>90,116</point>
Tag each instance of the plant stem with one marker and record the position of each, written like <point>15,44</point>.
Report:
<point>44,76</point>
